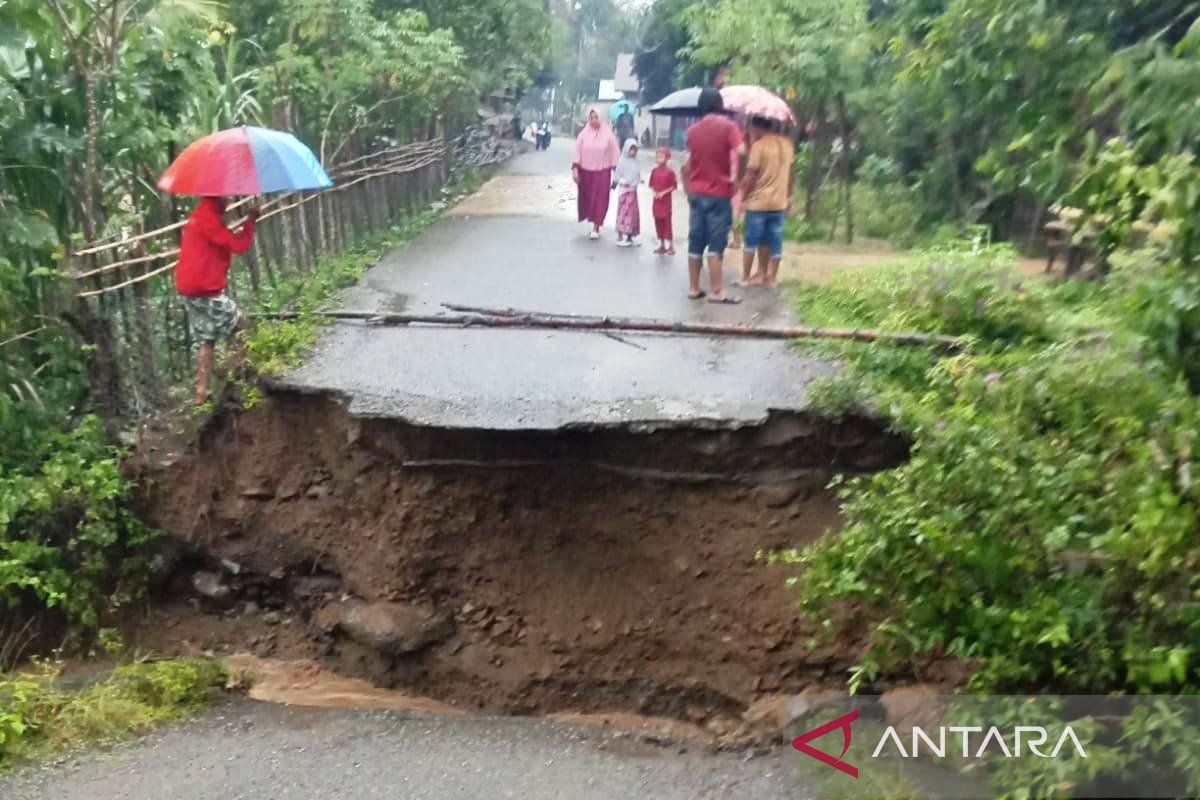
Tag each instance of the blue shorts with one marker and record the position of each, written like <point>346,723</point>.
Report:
<point>765,229</point>
<point>709,226</point>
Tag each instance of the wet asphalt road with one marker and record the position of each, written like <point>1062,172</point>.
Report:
<point>516,245</point>
<point>263,752</point>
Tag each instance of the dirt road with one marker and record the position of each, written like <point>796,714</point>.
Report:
<point>247,750</point>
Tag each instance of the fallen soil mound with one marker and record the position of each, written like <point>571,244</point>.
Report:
<point>578,571</point>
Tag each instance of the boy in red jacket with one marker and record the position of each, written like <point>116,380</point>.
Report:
<point>201,276</point>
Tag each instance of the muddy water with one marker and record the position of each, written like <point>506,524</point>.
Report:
<point>309,685</point>
<point>306,684</point>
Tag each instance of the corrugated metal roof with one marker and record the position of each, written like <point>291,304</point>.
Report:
<point>626,80</point>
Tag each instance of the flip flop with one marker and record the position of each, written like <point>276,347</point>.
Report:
<point>725,301</point>
<point>700,296</point>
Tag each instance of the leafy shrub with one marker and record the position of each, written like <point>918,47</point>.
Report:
<point>1044,530</point>
<point>67,539</point>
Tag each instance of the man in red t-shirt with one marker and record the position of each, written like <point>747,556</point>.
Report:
<point>708,180</point>
<point>205,254</point>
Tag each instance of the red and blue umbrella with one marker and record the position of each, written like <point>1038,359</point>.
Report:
<point>244,161</point>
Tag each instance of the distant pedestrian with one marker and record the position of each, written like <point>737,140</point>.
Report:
<point>205,253</point>
<point>625,125</point>
<point>596,155</point>
<point>707,178</point>
<point>627,178</point>
<point>769,187</point>
<point>663,183</point>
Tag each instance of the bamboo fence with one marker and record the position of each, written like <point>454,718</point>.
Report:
<point>136,322</point>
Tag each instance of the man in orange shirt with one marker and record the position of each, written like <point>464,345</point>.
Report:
<point>769,187</point>
<point>205,255</point>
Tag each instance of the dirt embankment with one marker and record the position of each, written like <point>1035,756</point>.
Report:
<point>581,571</point>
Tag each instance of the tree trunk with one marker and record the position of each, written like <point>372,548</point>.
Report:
<point>90,158</point>
<point>813,183</point>
<point>847,156</point>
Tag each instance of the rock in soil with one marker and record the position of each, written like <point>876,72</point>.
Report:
<point>212,589</point>
<point>395,628</point>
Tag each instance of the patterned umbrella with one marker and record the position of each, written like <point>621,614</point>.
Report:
<point>244,161</point>
<point>755,101</point>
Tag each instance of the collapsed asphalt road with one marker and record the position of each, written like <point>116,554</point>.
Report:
<point>515,244</point>
<point>264,752</point>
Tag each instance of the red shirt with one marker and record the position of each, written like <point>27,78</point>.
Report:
<point>712,142</point>
<point>662,179</point>
<point>206,251</point>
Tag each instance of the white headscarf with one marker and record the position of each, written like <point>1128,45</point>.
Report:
<point>629,169</point>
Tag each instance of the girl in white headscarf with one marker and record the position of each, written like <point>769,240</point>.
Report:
<point>625,180</point>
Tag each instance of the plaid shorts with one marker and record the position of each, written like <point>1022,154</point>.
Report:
<point>212,319</point>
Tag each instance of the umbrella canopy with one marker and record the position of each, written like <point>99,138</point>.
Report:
<point>620,107</point>
<point>751,101</point>
<point>755,101</point>
<point>244,161</point>
<point>683,103</point>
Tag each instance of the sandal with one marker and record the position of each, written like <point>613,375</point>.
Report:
<point>725,300</point>
<point>700,296</point>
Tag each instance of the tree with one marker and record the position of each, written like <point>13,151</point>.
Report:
<point>510,42</point>
<point>658,62</point>
<point>815,52</point>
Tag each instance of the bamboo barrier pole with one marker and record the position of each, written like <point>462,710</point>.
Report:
<point>535,321</point>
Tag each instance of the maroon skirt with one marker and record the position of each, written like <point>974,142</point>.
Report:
<point>595,187</point>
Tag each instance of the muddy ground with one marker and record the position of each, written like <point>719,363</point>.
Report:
<point>585,571</point>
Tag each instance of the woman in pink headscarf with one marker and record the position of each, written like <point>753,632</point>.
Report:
<point>596,154</point>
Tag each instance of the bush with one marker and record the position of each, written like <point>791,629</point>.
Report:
<point>1044,531</point>
<point>67,539</point>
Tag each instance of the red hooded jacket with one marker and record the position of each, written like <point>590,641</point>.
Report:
<point>207,249</point>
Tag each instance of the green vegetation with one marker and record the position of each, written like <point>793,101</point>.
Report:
<point>1044,529</point>
<point>67,540</point>
<point>38,718</point>
<point>1043,532</point>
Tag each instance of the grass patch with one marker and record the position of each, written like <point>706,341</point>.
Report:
<point>39,719</point>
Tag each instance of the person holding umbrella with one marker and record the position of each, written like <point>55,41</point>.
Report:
<point>769,186</point>
<point>202,275</point>
<point>245,161</point>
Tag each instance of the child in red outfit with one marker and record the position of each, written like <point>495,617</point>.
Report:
<point>663,183</point>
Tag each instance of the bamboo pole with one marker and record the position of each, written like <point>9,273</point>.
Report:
<point>509,318</point>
